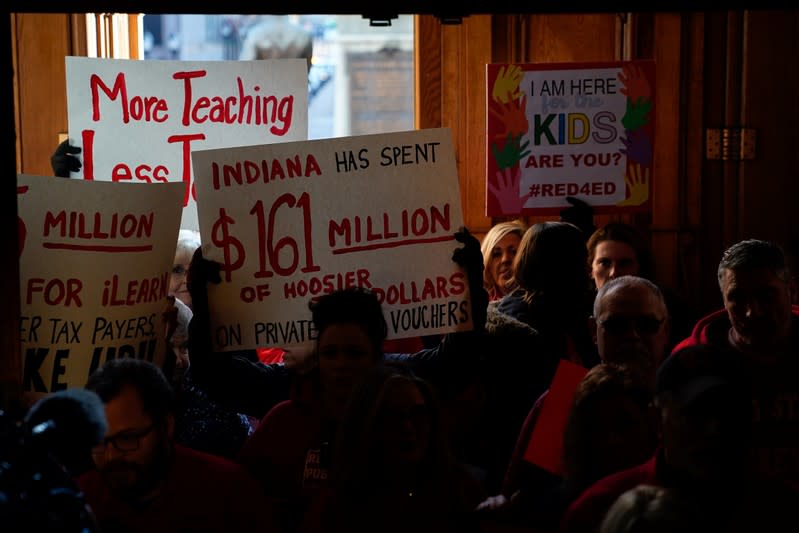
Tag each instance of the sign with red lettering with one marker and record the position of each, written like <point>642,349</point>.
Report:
<point>138,121</point>
<point>556,130</point>
<point>94,274</point>
<point>292,221</point>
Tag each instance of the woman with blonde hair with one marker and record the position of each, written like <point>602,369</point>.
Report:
<point>499,248</point>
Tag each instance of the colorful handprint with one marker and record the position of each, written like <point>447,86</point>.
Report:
<point>637,147</point>
<point>506,191</point>
<point>635,83</point>
<point>511,153</point>
<point>637,182</point>
<point>513,117</point>
<point>506,86</point>
<point>636,115</point>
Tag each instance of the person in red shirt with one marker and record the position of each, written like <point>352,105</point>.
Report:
<point>760,323</point>
<point>703,404</point>
<point>144,482</point>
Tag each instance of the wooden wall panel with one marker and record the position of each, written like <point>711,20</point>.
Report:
<point>466,49</point>
<point>667,154</point>
<point>690,243</point>
<point>572,37</point>
<point>769,192</point>
<point>427,78</point>
<point>42,93</point>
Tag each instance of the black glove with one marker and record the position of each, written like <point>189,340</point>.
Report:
<point>580,214</point>
<point>470,258</point>
<point>201,272</point>
<point>62,160</point>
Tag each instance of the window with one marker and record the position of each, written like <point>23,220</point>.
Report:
<point>360,79</point>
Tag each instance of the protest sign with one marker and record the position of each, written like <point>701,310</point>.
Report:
<point>569,129</point>
<point>94,275</point>
<point>138,121</point>
<point>292,221</point>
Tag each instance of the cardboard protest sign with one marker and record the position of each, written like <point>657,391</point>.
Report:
<point>94,275</point>
<point>138,121</point>
<point>292,221</point>
<point>569,129</point>
<point>545,447</point>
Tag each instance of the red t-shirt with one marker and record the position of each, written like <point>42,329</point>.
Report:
<point>202,493</point>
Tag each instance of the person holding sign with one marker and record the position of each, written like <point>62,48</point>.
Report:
<point>290,450</point>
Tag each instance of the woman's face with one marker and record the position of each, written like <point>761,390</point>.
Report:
<point>177,280</point>
<point>502,259</point>
<point>613,259</point>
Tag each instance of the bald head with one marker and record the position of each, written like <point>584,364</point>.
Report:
<point>630,322</point>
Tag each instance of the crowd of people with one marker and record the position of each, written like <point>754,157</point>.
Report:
<point>679,422</point>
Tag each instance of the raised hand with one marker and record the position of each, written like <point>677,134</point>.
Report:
<point>506,191</point>
<point>470,258</point>
<point>636,114</point>
<point>506,86</point>
<point>637,147</point>
<point>579,213</point>
<point>201,272</point>
<point>63,161</point>
<point>637,186</point>
<point>512,151</point>
<point>635,83</point>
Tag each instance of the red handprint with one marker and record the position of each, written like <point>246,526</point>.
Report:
<point>513,116</point>
<point>635,83</point>
<point>506,191</point>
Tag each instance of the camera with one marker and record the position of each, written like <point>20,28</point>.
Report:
<point>37,493</point>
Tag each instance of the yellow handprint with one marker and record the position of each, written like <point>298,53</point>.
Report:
<point>506,86</point>
<point>637,186</point>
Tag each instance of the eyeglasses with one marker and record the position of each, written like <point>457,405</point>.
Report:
<point>619,325</point>
<point>129,441</point>
<point>179,270</point>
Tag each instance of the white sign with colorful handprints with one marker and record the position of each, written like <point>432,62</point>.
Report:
<point>557,131</point>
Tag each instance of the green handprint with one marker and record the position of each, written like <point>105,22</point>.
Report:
<point>511,152</point>
<point>636,114</point>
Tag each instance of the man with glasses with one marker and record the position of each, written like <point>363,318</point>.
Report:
<point>143,481</point>
<point>630,327</point>
<point>702,401</point>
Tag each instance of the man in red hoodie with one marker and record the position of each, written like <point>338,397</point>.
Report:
<point>759,322</point>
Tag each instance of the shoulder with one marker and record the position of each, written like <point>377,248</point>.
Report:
<point>500,322</point>
<point>587,511</point>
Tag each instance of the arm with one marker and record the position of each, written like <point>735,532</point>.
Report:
<point>233,380</point>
